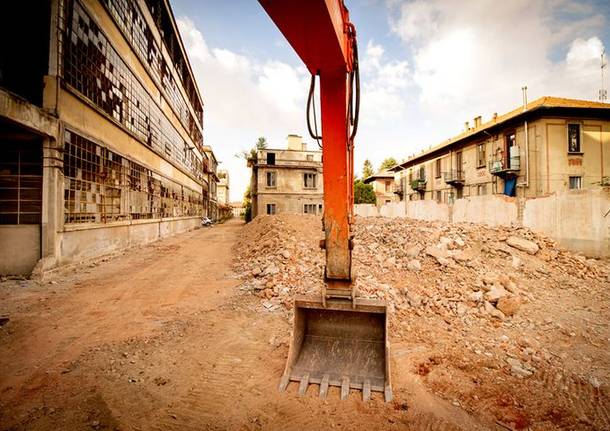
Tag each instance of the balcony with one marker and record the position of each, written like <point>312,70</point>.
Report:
<point>505,168</point>
<point>419,184</point>
<point>398,189</point>
<point>455,178</point>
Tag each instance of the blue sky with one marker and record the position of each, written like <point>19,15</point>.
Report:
<point>427,67</point>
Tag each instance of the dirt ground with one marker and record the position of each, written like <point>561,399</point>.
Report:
<point>164,337</point>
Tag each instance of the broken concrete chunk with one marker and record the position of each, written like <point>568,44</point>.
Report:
<point>509,305</point>
<point>523,244</point>
<point>495,294</point>
<point>414,265</point>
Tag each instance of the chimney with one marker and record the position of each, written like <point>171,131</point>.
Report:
<point>477,122</point>
<point>466,126</point>
<point>495,116</point>
<point>524,90</point>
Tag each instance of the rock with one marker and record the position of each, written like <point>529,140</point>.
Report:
<point>495,294</point>
<point>256,271</point>
<point>414,300</point>
<point>285,254</point>
<point>594,382</point>
<point>437,252</point>
<point>414,265</point>
<point>523,244</point>
<point>516,262</point>
<point>413,251</point>
<point>476,296</point>
<point>518,369</point>
<point>272,269</point>
<point>459,242</point>
<point>461,309</point>
<point>509,305</point>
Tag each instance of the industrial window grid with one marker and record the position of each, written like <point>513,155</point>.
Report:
<point>129,18</point>
<point>93,67</point>
<point>20,182</point>
<point>101,186</point>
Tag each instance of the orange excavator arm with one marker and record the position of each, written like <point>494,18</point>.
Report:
<point>321,34</point>
<point>339,339</point>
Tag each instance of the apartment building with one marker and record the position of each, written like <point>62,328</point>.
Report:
<point>223,188</point>
<point>383,186</point>
<point>549,145</point>
<point>287,180</point>
<point>210,193</point>
<point>101,130</point>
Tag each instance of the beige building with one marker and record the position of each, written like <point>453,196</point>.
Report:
<point>288,180</point>
<point>223,188</point>
<point>551,145</point>
<point>384,187</point>
<point>210,190</point>
<point>101,126</point>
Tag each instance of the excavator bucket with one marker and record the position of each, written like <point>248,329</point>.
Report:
<point>339,343</point>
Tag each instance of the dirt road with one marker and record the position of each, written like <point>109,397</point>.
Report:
<point>163,338</point>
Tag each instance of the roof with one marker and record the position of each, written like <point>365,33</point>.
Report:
<point>545,102</point>
<point>378,175</point>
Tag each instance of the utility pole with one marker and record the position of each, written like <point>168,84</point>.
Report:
<point>603,93</point>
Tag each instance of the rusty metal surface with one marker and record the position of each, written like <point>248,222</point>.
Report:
<point>341,345</point>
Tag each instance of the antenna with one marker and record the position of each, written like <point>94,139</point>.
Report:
<point>603,93</point>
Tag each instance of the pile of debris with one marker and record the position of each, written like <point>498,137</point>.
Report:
<point>447,269</point>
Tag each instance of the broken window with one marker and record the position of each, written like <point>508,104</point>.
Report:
<point>271,158</point>
<point>101,186</point>
<point>271,179</point>
<point>574,138</point>
<point>309,180</point>
<point>481,155</point>
<point>575,183</point>
<point>271,209</point>
<point>20,182</point>
<point>309,208</point>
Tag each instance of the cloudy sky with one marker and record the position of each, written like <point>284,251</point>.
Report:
<point>427,66</point>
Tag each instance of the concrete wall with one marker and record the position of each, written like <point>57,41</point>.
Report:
<point>492,210</point>
<point>366,210</point>
<point>78,243</point>
<point>427,210</point>
<point>19,248</point>
<point>393,209</point>
<point>579,219</point>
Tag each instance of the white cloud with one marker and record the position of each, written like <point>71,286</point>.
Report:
<point>473,58</point>
<point>244,98</point>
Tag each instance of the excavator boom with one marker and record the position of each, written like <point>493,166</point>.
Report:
<point>338,339</point>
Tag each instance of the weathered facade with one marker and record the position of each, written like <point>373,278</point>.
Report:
<point>210,193</point>
<point>383,187</point>
<point>101,130</point>
<point>223,189</point>
<point>550,145</point>
<point>287,181</point>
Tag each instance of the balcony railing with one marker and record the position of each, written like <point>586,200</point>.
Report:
<point>419,184</point>
<point>455,177</point>
<point>502,166</point>
<point>398,189</point>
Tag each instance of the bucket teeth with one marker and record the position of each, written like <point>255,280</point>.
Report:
<point>366,390</point>
<point>344,388</point>
<point>324,386</point>
<point>303,385</point>
<point>284,382</point>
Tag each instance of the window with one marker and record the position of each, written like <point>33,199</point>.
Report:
<point>271,179</point>
<point>481,155</point>
<point>271,158</point>
<point>310,157</point>
<point>309,209</point>
<point>309,180</point>
<point>388,186</point>
<point>387,201</point>
<point>422,174</point>
<point>270,209</point>
<point>439,196</point>
<point>574,138</point>
<point>320,208</point>
<point>575,183</point>
<point>481,189</point>
<point>438,168</point>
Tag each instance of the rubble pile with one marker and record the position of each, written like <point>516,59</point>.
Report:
<point>417,266</point>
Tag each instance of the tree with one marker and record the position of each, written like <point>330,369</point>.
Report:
<point>261,144</point>
<point>367,169</point>
<point>363,193</point>
<point>247,205</point>
<point>387,164</point>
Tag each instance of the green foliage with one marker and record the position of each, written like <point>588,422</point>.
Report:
<point>388,163</point>
<point>363,193</point>
<point>261,144</point>
<point>247,205</point>
<point>367,169</point>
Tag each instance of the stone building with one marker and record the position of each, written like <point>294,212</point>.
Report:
<point>287,180</point>
<point>383,186</point>
<point>210,193</point>
<point>101,126</point>
<point>549,145</point>
<point>223,188</point>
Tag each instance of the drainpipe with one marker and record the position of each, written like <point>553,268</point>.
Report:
<point>526,183</point>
